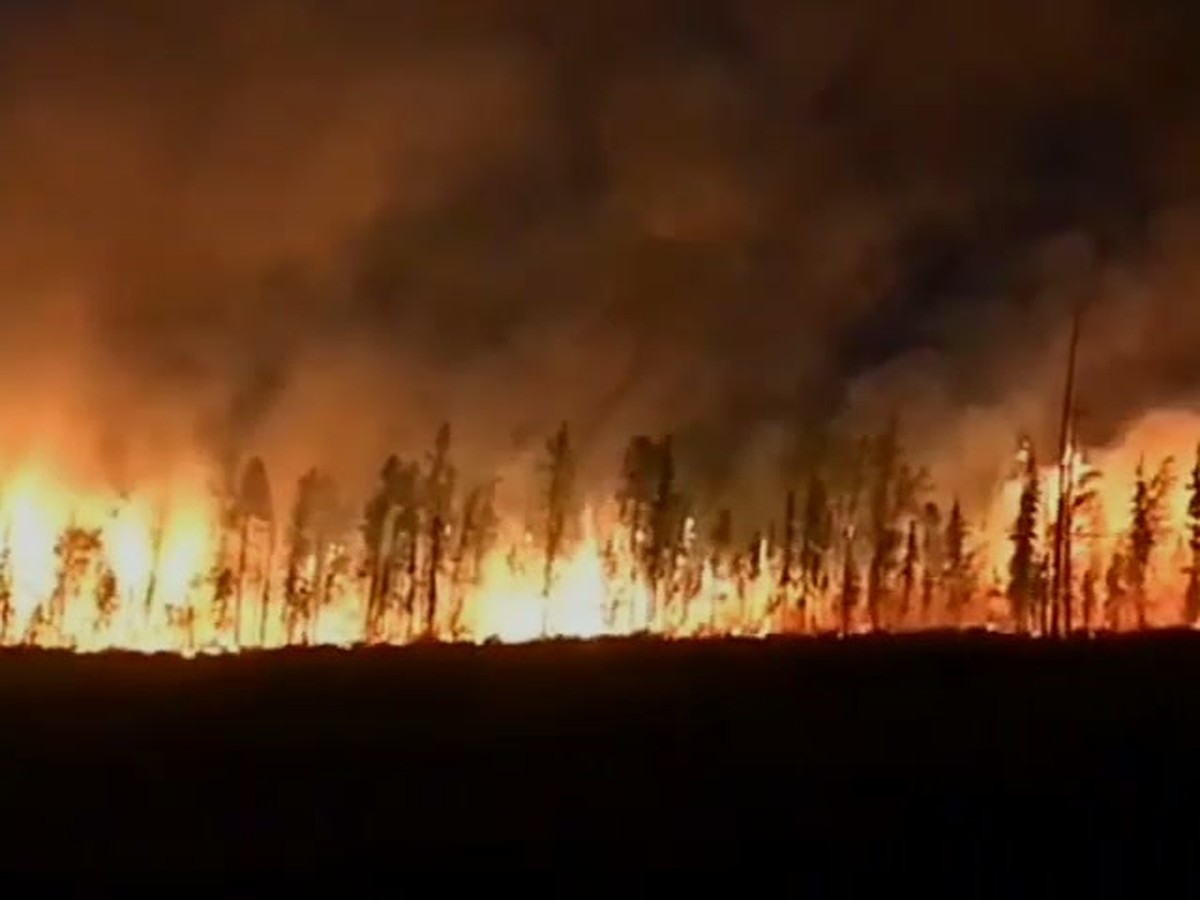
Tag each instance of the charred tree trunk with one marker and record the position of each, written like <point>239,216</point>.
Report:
<point>435,565</point>
<point>849,586</point>
<point>410,601</point>
<point>466,538</point>
<point>265,600</point>
<point>1191,604</point>
<point>319,586</point>
<point>908,573</point>
<point>239,584</point>
<point>663,540</point>
<point>558,497</point>
<point>886,462</point>
<point>789,540</point>
<point>1062,524</point>
<point>254,503</point>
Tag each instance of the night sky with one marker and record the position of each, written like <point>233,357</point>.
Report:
<point>317,229</point>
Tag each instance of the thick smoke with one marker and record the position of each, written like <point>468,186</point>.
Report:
<point>316,230</point>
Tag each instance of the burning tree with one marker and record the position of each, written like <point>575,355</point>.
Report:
<point>476,537</point>
<point>934,556</point>
<point>76,550</point>
<point>1192,598</point>
<point>858,546</point>
<point>1146,528</point>
<point>1086,522</point>
<point>650,509</point>
<point>391,533</point>
<point>1141,542</point>
<point>256,543</point>
<point>560,470</point>
<point>848,511</point>
<point>785,589</point>
<point>1024,566</point>
<point>311,528</point>
<point>885,538</point>
<point>437,494</point>
<point>816,542</point>
<point>895,501</point>
<point>908,569</point>
<point>665,519</point>
<point>959,571</point>
<point>638,480</point>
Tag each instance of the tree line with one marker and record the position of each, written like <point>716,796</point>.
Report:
<point>859,544</point>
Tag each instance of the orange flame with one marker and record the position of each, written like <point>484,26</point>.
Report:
<point>92,570</point>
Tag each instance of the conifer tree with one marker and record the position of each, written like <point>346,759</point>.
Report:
<point>847,517</point>
<point>884,536</point>
<point>691,561</point>
<point>1115,592</point>
<point>438,496</point>
<point>958,560</point>
<point>1023,594</point>
<point>1148,527</point>
<point>438,492</point>
<point>662,536</point>
<point>912,485</point>
<point>816,539</point>
<point>933,554</point>
<point>849,587</point>
<point>1141,540</point>
<point>480,522</point>
<point>753,556</point>
<point>314,523</point>
<point>254,507</point>
<point>561,476</point>
<point>437,531</point>
<point>379,507</point>
<point>666,523</point>
<point>1192,598</point>
<point>908,569</point>
<point>650,508</point>
<point>474,539</point>
<point>300,544</point>
<point>1084,525</point>
<point>719,547</point>
<point>638,479</point>
<point>390,526</point>
<point>789,540</point>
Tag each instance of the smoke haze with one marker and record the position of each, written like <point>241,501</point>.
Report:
<point>316,230</point>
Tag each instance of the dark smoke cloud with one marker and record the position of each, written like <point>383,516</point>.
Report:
<point>318,229</point>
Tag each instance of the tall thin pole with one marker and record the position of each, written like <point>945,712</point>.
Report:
<point>1060,591</point>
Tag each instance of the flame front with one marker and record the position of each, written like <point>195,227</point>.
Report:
<point>164,569</point>
<point>94,571</point>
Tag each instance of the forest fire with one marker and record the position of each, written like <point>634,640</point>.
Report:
<point>188,570</point>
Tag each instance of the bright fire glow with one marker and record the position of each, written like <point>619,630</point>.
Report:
<point>164,570</point>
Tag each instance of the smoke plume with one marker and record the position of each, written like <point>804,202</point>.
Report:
<point>316,230</point>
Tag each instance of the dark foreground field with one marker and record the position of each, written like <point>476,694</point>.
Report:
<point>984,750</point>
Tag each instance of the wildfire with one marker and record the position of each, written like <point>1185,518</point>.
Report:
<point>171,568</point>
<point>93,571</point>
